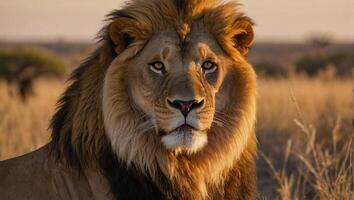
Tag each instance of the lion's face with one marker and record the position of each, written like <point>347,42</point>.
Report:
<point>175,86</point>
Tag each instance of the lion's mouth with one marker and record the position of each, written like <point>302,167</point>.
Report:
<point>185,138</point>
<point>184,128</point>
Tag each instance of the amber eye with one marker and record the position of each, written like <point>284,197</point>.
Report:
<point>209,67</point>
<point>157,67</point>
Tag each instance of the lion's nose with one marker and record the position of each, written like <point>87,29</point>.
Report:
<point>185,106</point>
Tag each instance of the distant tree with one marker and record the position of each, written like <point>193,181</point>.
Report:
<point>322,61</point>
<point>21,66</point>
<point>320,41</point>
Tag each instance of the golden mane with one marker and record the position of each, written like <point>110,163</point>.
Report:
<point>78,133</point>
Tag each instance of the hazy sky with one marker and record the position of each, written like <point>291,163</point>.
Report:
<point>277,20</point>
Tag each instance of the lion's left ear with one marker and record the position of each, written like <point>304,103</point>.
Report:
<point>244,35</point>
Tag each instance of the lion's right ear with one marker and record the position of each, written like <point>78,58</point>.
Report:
<point>244,35</point>
<point>122,32</point>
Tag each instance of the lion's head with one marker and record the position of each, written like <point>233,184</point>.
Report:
<point>172,85</point>
<point>169,90</point>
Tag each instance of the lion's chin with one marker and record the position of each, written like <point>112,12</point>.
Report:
<point>185,140</point>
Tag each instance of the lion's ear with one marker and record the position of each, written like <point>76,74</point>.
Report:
<point>122,32</point>
<point>244,35</point>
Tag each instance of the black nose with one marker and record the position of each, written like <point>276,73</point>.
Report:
<point>185,106</point>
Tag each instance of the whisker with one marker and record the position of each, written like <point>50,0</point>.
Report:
<point>226,120</point>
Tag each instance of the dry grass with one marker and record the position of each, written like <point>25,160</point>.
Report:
<point>321,102</point>
<point>305,138</point>
<point>24,126</point>
<point>304,130</point>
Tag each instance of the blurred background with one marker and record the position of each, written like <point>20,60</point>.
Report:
<point>303,55</point>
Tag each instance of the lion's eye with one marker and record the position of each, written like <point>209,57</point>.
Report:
<point>209,67</point>
<point>157,67</point>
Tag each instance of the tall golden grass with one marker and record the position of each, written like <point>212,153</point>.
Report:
<point>305,138</point>
<point>304,129</point>
<point>24,126</point>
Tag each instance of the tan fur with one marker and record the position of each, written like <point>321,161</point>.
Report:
<point>108,105</point>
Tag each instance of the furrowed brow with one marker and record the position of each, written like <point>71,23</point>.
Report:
<point>165,53</point>
<point>206,53</point>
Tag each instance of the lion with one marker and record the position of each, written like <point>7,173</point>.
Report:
<point>164,108</point>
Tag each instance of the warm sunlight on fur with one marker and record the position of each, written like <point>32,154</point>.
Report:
<point>180,88</point>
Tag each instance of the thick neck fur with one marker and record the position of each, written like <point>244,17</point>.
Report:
<point>130,183</point>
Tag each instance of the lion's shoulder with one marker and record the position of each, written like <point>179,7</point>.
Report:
<point>36,176</point>
<point>25,176</point>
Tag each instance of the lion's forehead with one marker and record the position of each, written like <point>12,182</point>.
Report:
<point>197,45</point>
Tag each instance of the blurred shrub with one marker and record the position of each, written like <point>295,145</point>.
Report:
<point>314,64</point>
<point>266,68</point>
<point>344,62</point>
<point>311,64</point>
<point>320,40</point>
<point>41,62</point>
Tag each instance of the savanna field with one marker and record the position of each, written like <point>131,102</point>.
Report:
<point>304,130</point>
